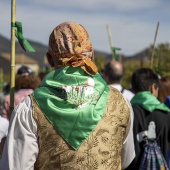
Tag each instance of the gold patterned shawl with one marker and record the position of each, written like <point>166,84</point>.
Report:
<point>100,151</point>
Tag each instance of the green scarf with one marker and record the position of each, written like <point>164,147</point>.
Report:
<point>73,102</point>
<point>149,102</point>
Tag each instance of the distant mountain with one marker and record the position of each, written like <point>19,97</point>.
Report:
<point>42,49</point>
<point>38,55</point>
<point>141,56</point>
<point>4,44</point>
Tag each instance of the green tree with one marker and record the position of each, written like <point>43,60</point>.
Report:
<point>129,67</point>
<point>162,60</point>
<point>100,62</point>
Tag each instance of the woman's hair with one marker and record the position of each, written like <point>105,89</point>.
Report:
<point>27,82</point>
<point>164,89</point>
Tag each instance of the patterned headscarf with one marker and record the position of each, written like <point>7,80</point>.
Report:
<point>70,42</point>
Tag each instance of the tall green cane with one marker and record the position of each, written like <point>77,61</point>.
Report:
<point>12,71</point>
<point>1,80</point>
<point>110,41</point>
<point>113,49</point>
<point>153,47</point>
<point>16,30</point>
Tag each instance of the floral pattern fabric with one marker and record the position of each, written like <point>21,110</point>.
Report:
<point>101,149</point>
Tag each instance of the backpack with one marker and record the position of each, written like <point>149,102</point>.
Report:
<point>152,157</point>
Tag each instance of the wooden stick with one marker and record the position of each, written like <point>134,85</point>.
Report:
<point>1,80</point>
<point>110,41</point>
<point>12,71</point>
<point>153,47</point>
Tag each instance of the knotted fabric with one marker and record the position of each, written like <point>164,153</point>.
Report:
<point>71,44</point>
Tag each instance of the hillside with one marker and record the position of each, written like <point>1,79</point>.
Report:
<point>42,49</point>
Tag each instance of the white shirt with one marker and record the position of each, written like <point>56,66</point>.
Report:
<point>4,123</point>
<point>126,93</point>
<point>21,148</point>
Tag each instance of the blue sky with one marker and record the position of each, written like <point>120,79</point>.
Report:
<point>132,22</point>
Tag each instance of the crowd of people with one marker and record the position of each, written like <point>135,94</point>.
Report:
<point>76,118</point>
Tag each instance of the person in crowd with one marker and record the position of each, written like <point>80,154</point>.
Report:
<point>6,88</point>
<point>25,83</point>
<point>164,91</point>
<point>73,120</point>
<point>145,84</point>
<point>113,73</point>
<point>1,101</point>
<point>4,123</point>
<point>167,101</point>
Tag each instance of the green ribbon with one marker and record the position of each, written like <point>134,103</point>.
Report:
<point>114,52</point>
<point>19,35</point>
<point>148,101</point>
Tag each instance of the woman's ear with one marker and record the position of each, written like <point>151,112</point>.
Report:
<point>50,59</point>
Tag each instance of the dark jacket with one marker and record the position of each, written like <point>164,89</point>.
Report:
<point>162,122</point>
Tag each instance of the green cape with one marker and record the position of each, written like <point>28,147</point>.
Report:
<point>73,102</point>
<point>149,102</point>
